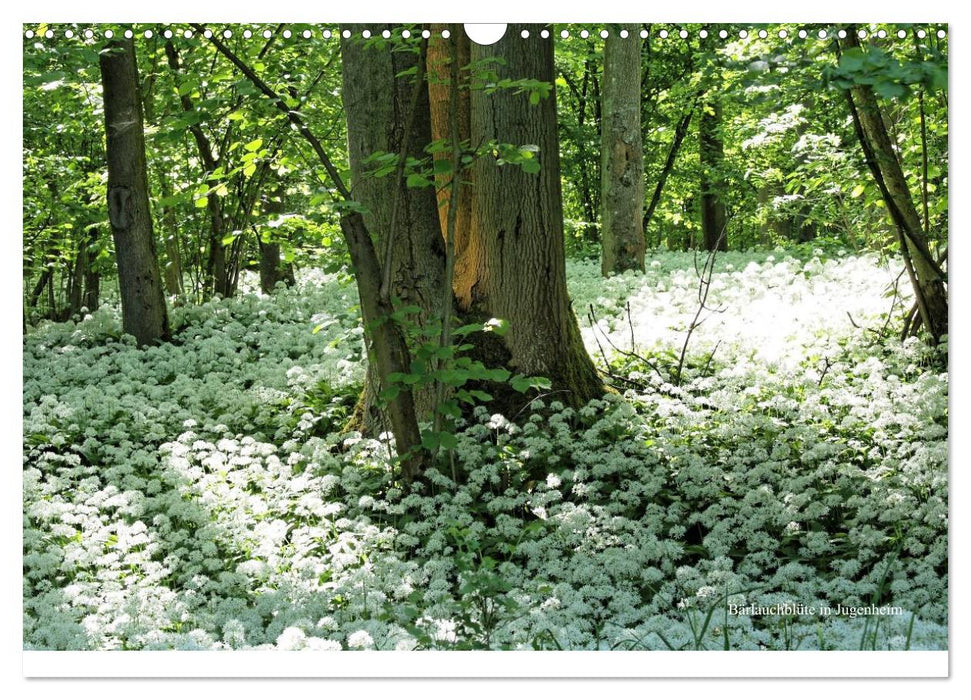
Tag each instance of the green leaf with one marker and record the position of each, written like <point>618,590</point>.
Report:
<point>416,180</point>
<point>202,202</point>
<point>249,170</point>
<point>857,191</point>
<point>254,145</point>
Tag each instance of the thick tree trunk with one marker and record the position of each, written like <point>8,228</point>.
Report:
<point>142,301</point>
<point>388,112</point>
<point>926,276</point>
<point>437,62</point>
<point>622,154</point>
<point>385,339</point>
<point>711,154</point>
<point>516,244</point>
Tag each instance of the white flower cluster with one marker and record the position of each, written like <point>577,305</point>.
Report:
<point>175,497</point>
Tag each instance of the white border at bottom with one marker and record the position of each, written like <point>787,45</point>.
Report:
<point>482,664</point>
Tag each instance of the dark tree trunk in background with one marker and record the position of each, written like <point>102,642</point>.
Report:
<point>679,133</point>
<point>172,268</point>
<point>518,270</point>
<point>622,155</point>
<point>273,269</point>
<point>217,274</point>
<point>711,155</point>
<point>387,111</point>
<point>142,301</point>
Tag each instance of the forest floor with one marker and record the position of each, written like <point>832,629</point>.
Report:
<point>787,491</point>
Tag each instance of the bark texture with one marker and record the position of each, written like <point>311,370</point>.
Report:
<point>388,112</point>
<point>926,275</point>
<point>622,155</point>
<point>142,300</point>
<point>515,264</point>
<point>438,66</point>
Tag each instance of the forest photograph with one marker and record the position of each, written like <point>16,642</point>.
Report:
<point>626,337</point>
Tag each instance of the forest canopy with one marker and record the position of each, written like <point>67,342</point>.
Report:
<point>370,336</point>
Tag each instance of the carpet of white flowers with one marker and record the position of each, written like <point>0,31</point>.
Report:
<point>201,494</point>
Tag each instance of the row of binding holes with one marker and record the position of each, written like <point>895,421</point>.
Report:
<point>545,34</point>
<point>227,33</point>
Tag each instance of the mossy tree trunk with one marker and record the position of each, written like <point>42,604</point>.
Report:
<point>516,266</point>
<point>622,155</point>
<point>927,277</point>
<point>387,106</point>
<point>142,299</point>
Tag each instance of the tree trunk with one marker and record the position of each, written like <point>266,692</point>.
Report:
<point>273,270</point>
<point>172,269</point>
<point>926,276</point>
<point>711,153</point>
<point>78,274</point>
<point>437,63</point>
<point>388,112</point>
<point>142,301</point>
<point>679,133</point>
<point>217,276</point>
<point>622,154</point>
<point>519,270</point>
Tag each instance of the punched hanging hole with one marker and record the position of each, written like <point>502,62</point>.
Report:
<point>485,34</point>
<point>247,34</point>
